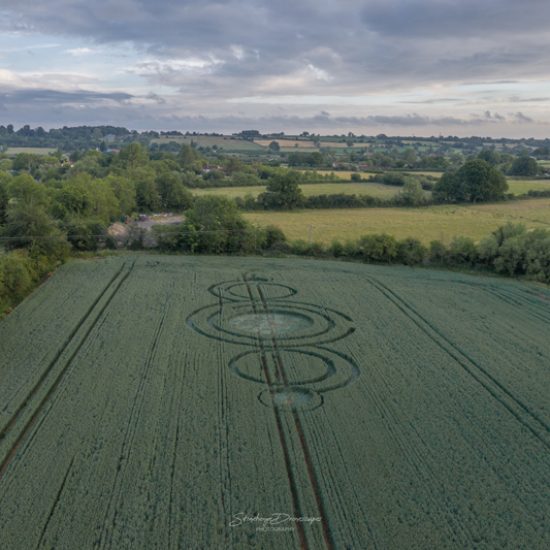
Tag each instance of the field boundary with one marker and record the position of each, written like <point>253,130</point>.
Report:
<point>64,370</point>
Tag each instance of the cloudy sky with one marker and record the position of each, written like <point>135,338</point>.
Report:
<point>414,67</point>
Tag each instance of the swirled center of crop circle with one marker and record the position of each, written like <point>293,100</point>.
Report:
<point>266,324</point>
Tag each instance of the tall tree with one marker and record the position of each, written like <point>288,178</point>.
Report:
<point>475,181</point>
<point>283,192</point>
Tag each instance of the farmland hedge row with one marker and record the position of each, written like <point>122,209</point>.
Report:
<point>20,272</point>
<point>511,250</point>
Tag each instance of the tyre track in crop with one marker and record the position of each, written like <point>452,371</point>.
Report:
<point>312,475</point>
<point>526,298</point>
<point>282,439</point>
<point>519,410</point>
<point>55,503</point>
<point>514,299</point>
<point>109,523</point>
<point>27,428</point>
<point>55,359</point>
<point>223,449</point>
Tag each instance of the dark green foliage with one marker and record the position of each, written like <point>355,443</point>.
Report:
<point>512,250</point>
<point>438,252</point>
<point>524,166</point>
<point>274,237</point>
<point>132,156</point>
<point>17,275</point>
<point>490,156</point>
<point>147,195</point>
<point>412,194</point>
<point>32,228</point>
<point>378,248</point>
<point>411,252</point>
<point>283,192</point>
<point>315,159</point>
<point>214,225</point>
<point>343,200</point>
<point>462,252</point>
<point>188,157</point>
<point>475,181</point>
<point>173,194</point>
<point>86,234</point>
<point>3,198</point>
<point>390,178</point>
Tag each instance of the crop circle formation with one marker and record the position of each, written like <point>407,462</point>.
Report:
<point>287,338</point>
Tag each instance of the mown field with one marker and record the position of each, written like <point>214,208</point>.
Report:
<point>426,224</point>
<point>12,151</point>
<point>184,402</point>
<point>372,189</point>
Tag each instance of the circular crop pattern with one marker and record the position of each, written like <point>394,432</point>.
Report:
<point>291,398</point>
<point>300,367</point>
<point>270,324</point>
<point>242,291</point>
<point>290,324</point>
<point>256,312</point>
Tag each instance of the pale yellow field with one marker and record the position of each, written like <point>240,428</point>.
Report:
<point>426,224</point>
<point>12,151</point>
<point>372,189</point>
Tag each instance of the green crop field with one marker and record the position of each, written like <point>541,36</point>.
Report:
<point>12,151</point>
<point>372,189</point>
<point>210,403</point>
<point>522,186</point>
<point>426,224</point>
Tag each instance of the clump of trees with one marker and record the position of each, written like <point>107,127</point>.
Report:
<point>283,193</point>
<point>214,225</point>
<point>524,166</point>
<point>475,181</point>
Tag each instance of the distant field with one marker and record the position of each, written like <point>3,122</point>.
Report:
<point>226,142</point>
<point>426,224</point>
<point>346,174</point>
<point>231,192</point>
<point>12,151</point>
<point>293,144</point>
<point>520,187</point>
<point>287,143</point>
<point>342,174</point>
<point>372,189</point>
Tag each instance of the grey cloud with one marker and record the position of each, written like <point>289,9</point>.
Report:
<point>374,44</point>
<point>521,118</point>
<point>444,18</point>
<point>60,97</point>
<point>312,47</point>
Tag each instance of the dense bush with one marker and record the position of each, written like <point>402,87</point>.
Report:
<point>510,250</point>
